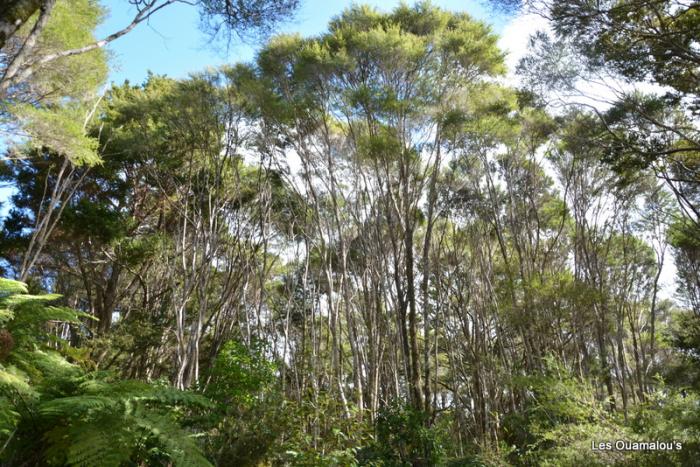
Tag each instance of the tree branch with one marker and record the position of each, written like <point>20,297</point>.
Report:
<point>25,72</point>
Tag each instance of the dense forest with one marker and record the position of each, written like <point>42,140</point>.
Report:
<point>376,246</point>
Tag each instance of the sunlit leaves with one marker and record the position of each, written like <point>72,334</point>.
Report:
<point>62,129</point>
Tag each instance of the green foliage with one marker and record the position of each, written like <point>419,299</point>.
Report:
<point>253,422</point>
<point>109,423</point>
<point>684,237</point>
<point>621,35</point>
<point>248,436</point>
<point>71,25</point>
<point>53,104</point>
<point>320,433</point>
<point>41,73</point>
<point>243,17</point>
<point>8,288</point>
<point>240,373</point>
<point>402,131</point>
<point>684,337</point>
<point>403,438</point>
<point>53,413</point>
<point>294,73</point>
<point>670,416</point>
<point>561,419</point>
<point>250,414</point>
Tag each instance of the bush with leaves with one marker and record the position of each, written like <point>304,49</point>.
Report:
<point>561,418</point>
<point>249,414</point>
<point>403,438</point>
<point>322,433</point>
<point>668,416</point>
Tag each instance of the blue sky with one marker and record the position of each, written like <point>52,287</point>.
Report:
<point>173,44</point>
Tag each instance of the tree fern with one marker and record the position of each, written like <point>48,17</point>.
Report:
<point>53,413</point>
<point>181,447</point>
<point>108,425</point>
<point>8,288</point>
<point>91,442</point>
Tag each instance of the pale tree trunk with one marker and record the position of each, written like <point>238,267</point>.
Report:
<point>47,219</point>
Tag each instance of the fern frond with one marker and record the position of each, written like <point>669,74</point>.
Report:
<point>51,365</point>
<point>140,391</point>
<point>6,315</point>
<point>8,417</point>
<point>35,311</point>
<point>10,287</point>
<point>22,299</point>
<point>180,446</point>
<point>98,447</point>
<point>14,379</point>
<point>94,442</point>
<point>169,396</point>
<point>77,405</point>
